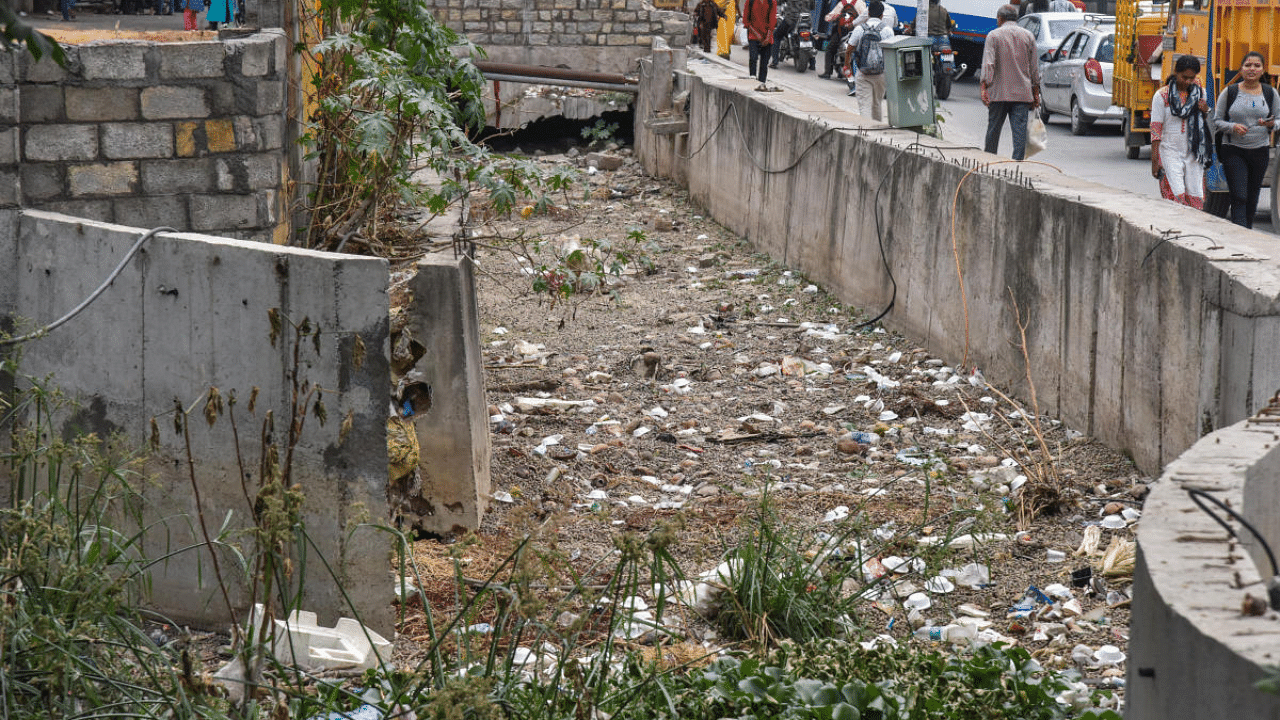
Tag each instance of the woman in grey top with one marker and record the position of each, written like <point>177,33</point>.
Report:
<point>1244,117</point>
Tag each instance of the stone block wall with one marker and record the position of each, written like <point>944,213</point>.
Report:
<point>599,35</point>
<point>189,135</point>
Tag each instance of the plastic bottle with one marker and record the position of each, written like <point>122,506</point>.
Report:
<point>951,633</point>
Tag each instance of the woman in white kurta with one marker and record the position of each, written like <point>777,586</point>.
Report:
<point>1180,138</point>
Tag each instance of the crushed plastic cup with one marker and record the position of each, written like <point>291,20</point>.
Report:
<point>1130,514</point>
<point>1058,590</point>
<point>1082,655</point>
<point>939,584</point>
<point>837,513</point>
<point>917,601</point>
<point>1055,556</point>
<point>1109,655</point>
<point>1114,522</point>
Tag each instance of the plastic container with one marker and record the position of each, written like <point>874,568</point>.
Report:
<point>950,633</point>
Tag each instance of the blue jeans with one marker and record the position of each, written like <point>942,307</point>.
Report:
<point>997,111</point>
<point>758,54</point>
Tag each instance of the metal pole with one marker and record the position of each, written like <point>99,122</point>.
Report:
<point>922,18</point>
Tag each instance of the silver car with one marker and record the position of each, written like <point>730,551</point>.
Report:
<point>1050,27</point>
<point>1075,79</point>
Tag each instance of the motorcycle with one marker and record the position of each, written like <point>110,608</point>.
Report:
<point>797,45</point>
<point>945,70</point>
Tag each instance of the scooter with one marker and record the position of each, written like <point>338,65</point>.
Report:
<point>797,45</point>
<point>945,70</point>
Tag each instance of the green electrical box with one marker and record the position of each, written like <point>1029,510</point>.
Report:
<point>908,80</point>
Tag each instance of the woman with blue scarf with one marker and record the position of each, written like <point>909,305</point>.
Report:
<point>1181,144</point>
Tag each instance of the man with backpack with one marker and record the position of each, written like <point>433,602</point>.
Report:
<point>1010,80</point>
<point>869,58</point>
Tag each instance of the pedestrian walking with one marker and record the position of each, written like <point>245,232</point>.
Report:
<point>759,17</point>
<point>1180,137</point>
<point>1246,117</point>
<point>66,6</point>
<point>191,10</point>
<point>220,11</point>
<point>706,16</point>
<point>1010,80</point>
<point>724,31</point>
<point>868,56</point>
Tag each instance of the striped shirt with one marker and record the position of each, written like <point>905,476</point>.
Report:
<point>1010,67</point>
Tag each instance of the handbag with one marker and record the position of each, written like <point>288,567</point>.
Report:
<point>1215,178</point>
<point>1037,136</point>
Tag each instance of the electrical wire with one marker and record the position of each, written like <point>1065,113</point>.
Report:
<point>1178,236</point>
<point>1196,495</point>
<point>94,296</point>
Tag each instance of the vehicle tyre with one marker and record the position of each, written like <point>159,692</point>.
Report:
<point>802,60</point>
<point>1079,121</point>
<point>1132,145</point>
<point>942,85</point>
<point>1044,112</point>
<point>1217,204</point>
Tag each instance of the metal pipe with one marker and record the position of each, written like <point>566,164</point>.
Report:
<point>534,80</point>
<point>542,71</point>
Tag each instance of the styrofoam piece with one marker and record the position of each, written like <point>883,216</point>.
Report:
<point>347,645</point>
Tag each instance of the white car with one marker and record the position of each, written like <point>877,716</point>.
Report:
<point>1049,28</point>
<point>1075,79</point>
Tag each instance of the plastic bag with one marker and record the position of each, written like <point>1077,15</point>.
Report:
<point>740,35</point>
<point>1037,135</point>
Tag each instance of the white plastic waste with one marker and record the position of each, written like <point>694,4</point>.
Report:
<point>299,641</point>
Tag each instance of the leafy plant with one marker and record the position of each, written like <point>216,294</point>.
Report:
<point>600,133</point>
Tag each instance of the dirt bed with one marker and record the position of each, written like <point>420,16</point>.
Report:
<point>718,378</point>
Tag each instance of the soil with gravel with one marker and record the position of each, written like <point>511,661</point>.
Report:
<point>690,390</point>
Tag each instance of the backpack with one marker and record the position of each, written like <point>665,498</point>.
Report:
<point>1233,91</point>
<point>869,55</point>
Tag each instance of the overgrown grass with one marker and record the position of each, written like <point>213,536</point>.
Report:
<point>563,641</point>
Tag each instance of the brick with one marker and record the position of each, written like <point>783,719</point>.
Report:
<point>280,55</point>
<point>118,178</point>
<point>170,177</point>
<point>255,57</point>
<point>270,97</point>
<point>270,132</point>
<point>9,146</point>
<point>219,136</point>
<point>185,138</point>
<point>224,99</point>
<point>61,142</point>
<point>99,210</point>
<point>122,141</point>
<point>42,181</point>
<point>191,60</point>
<point>149,212</point>
<point>249,172</point>
<point>44,70</point>
<point>42,103</point>
<point>167,102</point>
<point>114,61</point>
<point>101,104</point>
<point>8,68</point>
<point>9,186</point>
<point>219,212</point>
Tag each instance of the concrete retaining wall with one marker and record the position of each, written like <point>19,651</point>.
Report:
<point>1192,653</point>
<point>1141,339</point>
<point>189,135</point>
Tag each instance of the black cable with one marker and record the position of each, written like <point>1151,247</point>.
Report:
<point>1195,497</point>
<point>884,257</point>
<point>94,296</point>
<point>1178,236</point>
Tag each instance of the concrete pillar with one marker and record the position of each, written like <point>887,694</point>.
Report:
<point>453,430</point>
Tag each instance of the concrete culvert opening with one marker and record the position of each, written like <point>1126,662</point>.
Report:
<point>560,134</point>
